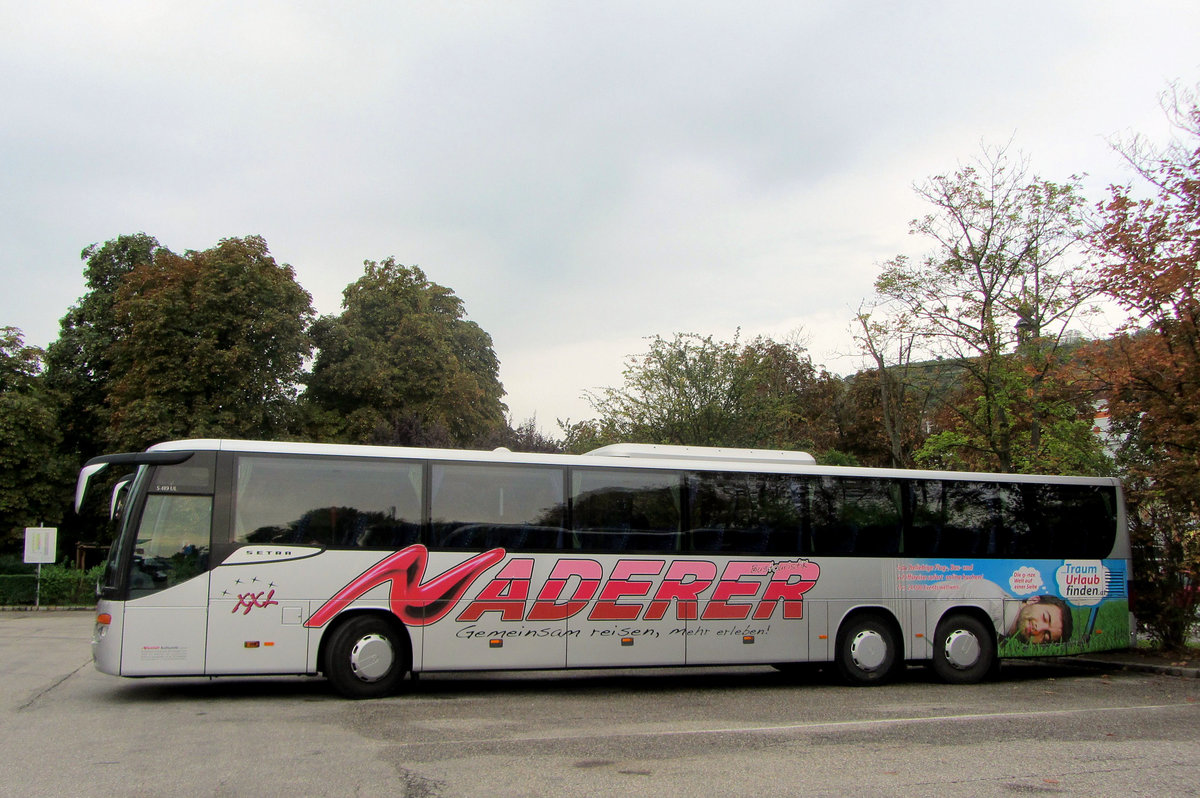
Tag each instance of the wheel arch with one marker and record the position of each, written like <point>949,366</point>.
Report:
<point>879,612</point>
<point>397,625</point>
<point>951,668</point>
<point>970,610</point>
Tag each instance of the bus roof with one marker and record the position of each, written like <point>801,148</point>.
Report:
<point>652,451</point>
<point>625,455</point>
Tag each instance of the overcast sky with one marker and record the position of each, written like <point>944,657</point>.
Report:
<point>582,175</point>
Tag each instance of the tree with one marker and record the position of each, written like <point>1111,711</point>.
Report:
<point>32,471</point>
<point>693,390</point>
<point>79,363</point>
<point>995,300</point>
<point>864,435</point>
<point>402,365</point>
<point>1150,264</point>
<point>525,437</point>
<point>211,344</point>
<point>901,400</point>
<point>687,390</point>
<point>794,403</point>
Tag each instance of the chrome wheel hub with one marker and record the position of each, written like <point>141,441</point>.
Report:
<point>371,658</point>
<point>962,649</point>
<point>868,650</point>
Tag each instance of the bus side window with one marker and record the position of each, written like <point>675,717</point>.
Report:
<point>970,513</point>
<point>1066,520</point>
<point>627,511</point>
<point>924,517</point>
<point>479,507</point>
<point>745,513</point>
<point>855,516</point>
<point>338,503</point>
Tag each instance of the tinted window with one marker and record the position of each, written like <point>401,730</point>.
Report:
<point>854,515</point>
<point>746,513</point>
<point>1065,521</point>
<point>619,510</point>
<point>968,516</point>
<point>194,475</point>
<point>492,506</point>
<point>1018,520</point>
<point>923,511</point>
<point>338,503</point>
<point>962,519</point>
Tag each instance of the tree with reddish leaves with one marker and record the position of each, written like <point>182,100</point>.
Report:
<point>1150,265</point>
<point>212,344</point>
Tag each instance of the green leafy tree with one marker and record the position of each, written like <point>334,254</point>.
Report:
<point>212,344</point>
<point>525,437</point>
<point>402,365</point>
<point>995,300</point>
<point>694,390</point>
<point>792,402</point>
<point>583,436</point>
<point>79,363</point>
<point>32,469</point>
<point>687,390</point>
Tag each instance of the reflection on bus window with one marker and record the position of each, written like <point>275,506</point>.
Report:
<point>488,506</point>
<point>746,513</point>
<point>329,503</point>
<point>626,510</point>
<point>855,516</point>
<point>172,542</point>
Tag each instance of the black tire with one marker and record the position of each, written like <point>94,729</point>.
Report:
<point>367,657</point>
<point>867,653</point>
<point>964,651</point>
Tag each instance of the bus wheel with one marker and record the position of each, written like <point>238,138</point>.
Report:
<point>866,651</point>
<point>963,651</point>
<point>366,658</point>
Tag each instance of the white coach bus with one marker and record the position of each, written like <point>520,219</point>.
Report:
<point>368,564</point>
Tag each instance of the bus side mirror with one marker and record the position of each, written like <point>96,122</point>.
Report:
<point>118,495</point>
<point>85,476</point>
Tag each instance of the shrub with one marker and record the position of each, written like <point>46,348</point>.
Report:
<point>61,585</point>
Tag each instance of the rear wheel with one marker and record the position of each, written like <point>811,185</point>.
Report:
<point>963,651</point>
<point>867,653</point>
<point>367,657</point>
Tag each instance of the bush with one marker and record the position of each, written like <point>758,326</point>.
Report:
<point>60,585</point>
<point>1166,565</point>
<point>17,588</point>
<point>15,564</point>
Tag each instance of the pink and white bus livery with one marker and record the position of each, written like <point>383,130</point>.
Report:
<point>367,564</point>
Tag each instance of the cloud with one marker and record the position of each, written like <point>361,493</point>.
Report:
<point>582,175</point>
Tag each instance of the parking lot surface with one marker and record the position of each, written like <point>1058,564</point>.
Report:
<point>1041,728</point>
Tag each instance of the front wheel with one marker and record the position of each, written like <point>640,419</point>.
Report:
<point>367,657</point>
<point>963,650</point>
<point>867,651</point>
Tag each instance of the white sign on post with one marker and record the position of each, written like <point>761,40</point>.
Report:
<point>41,544</point>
